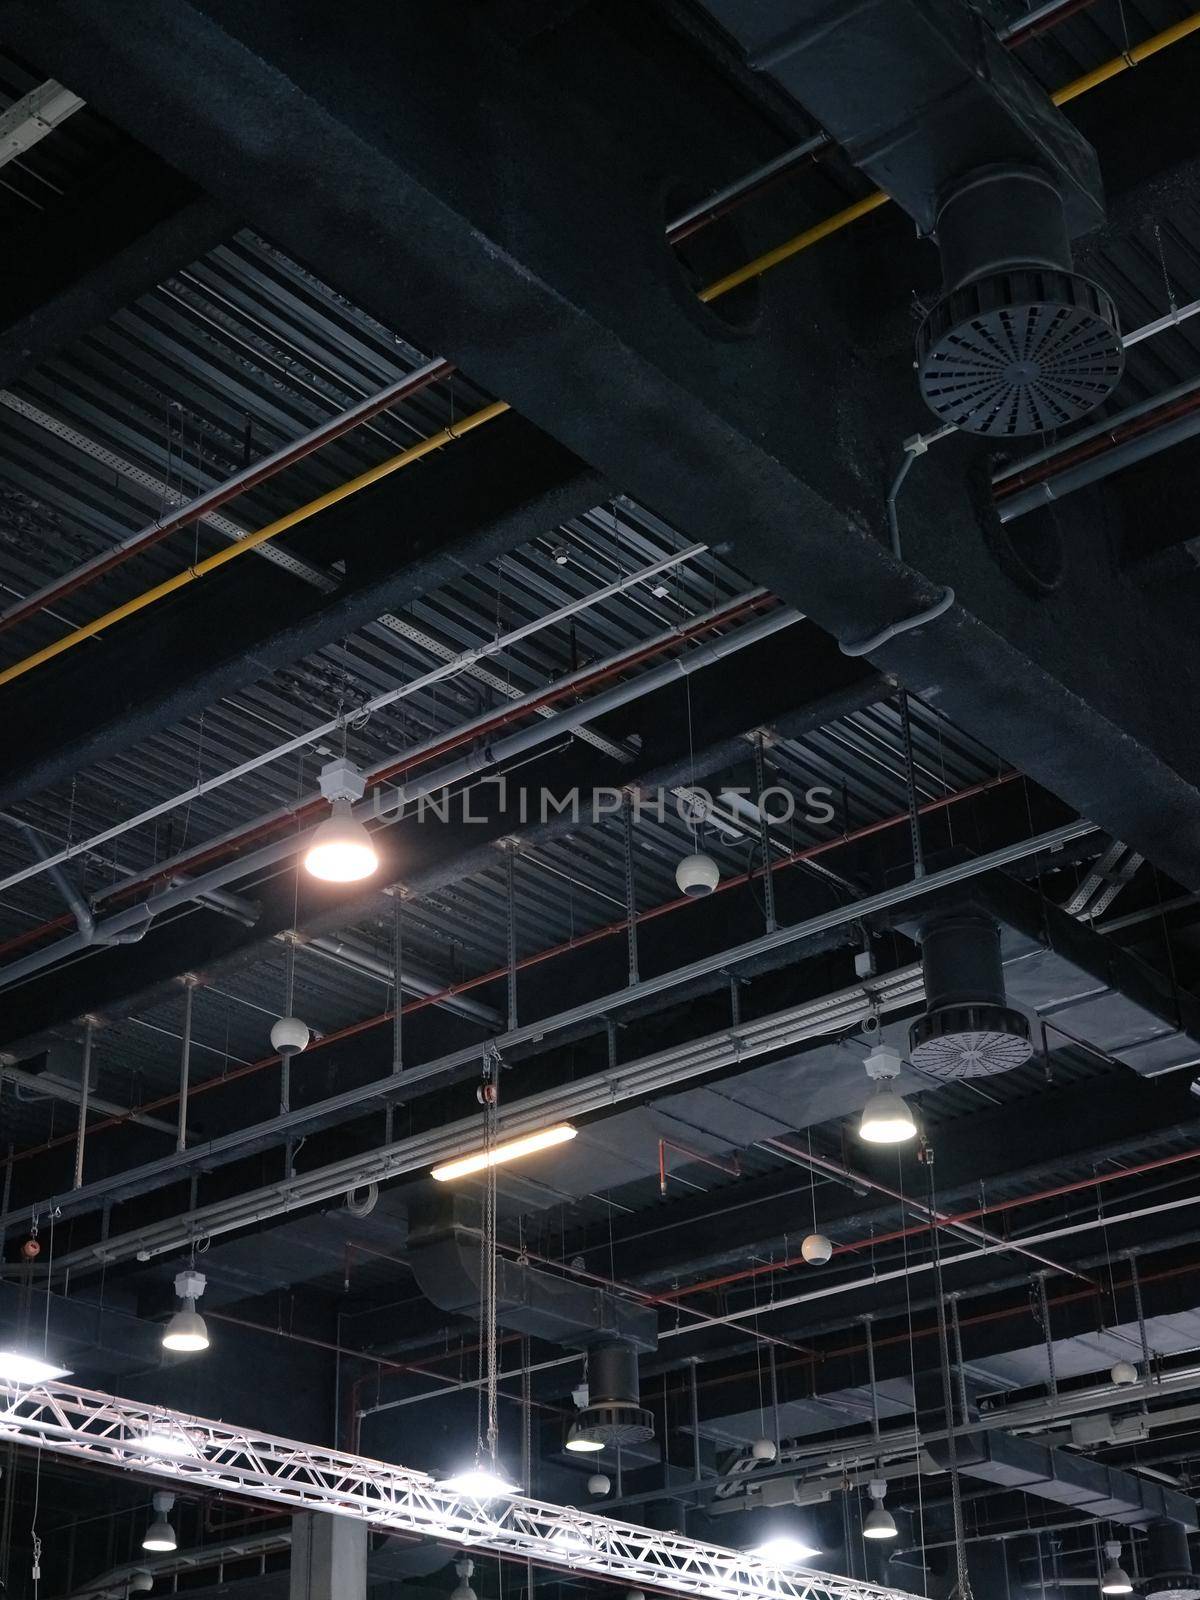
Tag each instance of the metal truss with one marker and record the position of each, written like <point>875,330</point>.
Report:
<point>84,1426</point>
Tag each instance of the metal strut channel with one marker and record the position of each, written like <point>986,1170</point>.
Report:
<point>87,1426</point>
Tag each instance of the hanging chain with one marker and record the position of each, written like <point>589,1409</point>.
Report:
<point>764,834</point>
<point>397,993</point>
<point>630,894</point>
<point>910,779</point>
<point>488,1353</point>
<point>962,1586</point>
<point>1051,1371</point>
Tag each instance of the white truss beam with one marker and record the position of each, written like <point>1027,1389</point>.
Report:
<point>84,1426</point>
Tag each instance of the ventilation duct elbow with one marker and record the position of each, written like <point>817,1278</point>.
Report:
<point>968,1029</point>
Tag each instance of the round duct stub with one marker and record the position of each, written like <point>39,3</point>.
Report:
<point>1182,1585</point>
<point>969,1041</point>
<point>1019,352</point>
<point>613,1423</point>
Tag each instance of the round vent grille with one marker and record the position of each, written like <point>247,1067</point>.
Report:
<point>969,1041</point>
<point>1171,1586</point>
<point>1019,352</point>
<point>612,1423</point>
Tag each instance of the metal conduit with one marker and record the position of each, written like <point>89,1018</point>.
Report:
<point>313,806</point>
<point>654,1072</point>
<point>1095,453</point>
<point>138,917</point>
<point>197,509</point>
<point>577,942</point>
<point>252,541</point>
<point>447,669</point>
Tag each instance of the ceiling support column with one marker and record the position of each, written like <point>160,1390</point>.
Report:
<point>329,1558</point>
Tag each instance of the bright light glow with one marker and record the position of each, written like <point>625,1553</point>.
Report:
<point>886,1119</point>
<point>17,1367</point>
<point>512,1150</point>
<point>186,1330</point>
<point>879,1523</point>
<point>570,1539</point>
<point>341,850</point>
<point>159,1536</point>
<point>160,1439</point>
<point>581,1444</point>
<point>479,1484</point>
<point>1114,1579</point>
<point>784,1551</point>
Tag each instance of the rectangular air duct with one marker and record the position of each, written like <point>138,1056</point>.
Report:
<point>1006,1462</point>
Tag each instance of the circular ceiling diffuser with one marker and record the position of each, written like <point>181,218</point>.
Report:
<point>969,1041</point>
<point>1019,352</point>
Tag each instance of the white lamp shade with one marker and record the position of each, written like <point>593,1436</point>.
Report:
<point>1116,1581</point>
<point>186,1330</point>
<point>886,1119</point>
<point>160,1535</point>
<point>340,850</point>
<point>879,1523</point>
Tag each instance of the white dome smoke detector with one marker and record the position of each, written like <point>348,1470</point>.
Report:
<point>697,875</point>
<point>289,1036</point>
<point>599,1483</point>
<point>816,1249</point>
<point>763,1450</point>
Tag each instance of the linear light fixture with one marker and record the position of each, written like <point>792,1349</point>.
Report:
<point>510,1150</point>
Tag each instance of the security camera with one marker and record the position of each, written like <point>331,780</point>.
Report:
<point>697,875</point>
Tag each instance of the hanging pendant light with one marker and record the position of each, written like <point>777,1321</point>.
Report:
<point>1114,1579</point>
<point>340,849</point>
<point>878,1522</point>
<point>886,1118</point>
<point>160,1535</point>
<point>187,1330</point>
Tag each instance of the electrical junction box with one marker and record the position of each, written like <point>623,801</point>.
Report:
<point>62,1063</point>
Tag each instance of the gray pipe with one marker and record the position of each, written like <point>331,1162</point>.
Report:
<point>360,961</point>
<point>1104,464</point>
<point>76,904</point>
<point>126,926</point>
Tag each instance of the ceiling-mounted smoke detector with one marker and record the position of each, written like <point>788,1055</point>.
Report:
<point>1018,343</point>
<point>614,1413</point>
<point>968,1030</point>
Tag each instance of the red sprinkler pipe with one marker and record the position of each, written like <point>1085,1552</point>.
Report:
<point>204,505</point>
<point>578,942</point>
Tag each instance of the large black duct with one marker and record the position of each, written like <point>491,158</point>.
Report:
<point>1167,1565</point>
<point>924,98</point>
<point>614,1413</point>
<point>443,1252</point>
<point>968,1029</point>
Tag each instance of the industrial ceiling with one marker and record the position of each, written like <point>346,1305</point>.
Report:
<point>600,824</point>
